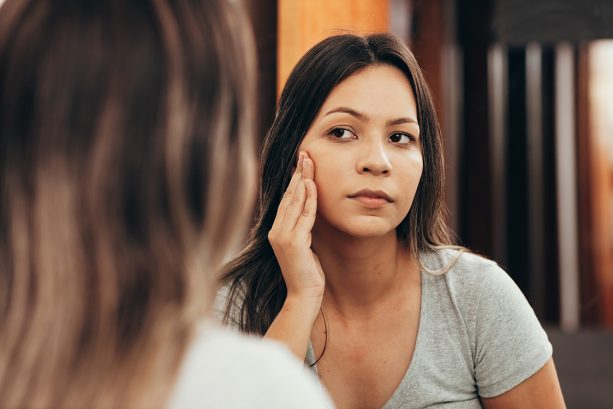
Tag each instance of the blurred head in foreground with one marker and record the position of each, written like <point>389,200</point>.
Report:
<point>126,163</point>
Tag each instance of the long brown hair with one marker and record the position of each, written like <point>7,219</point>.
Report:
<point>125,153</point>
<point>256,290</point>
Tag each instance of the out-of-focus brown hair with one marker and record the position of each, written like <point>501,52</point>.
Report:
<point>125,159</point>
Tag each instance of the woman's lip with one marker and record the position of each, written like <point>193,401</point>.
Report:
<point>377,194</point>
<point>371,202</point>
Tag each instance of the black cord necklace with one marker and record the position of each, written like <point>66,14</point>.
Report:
<point>326,330</point>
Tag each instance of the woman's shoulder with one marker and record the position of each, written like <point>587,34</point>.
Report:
<point>460,264</point>
<point>500,323</point>
<point>224,369</point>
<point>468,277</point>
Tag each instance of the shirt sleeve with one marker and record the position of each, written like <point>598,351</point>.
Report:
<point>226,370</point>
<point>510,343</point>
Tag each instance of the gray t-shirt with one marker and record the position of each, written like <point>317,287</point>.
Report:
<point>477,336</point>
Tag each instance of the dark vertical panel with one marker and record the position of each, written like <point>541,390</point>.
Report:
<point>476,203</point>
<point>517,177</point>
<point>263,15</point>
<point>552,279</point>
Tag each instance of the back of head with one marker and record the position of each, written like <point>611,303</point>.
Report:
<point>125,155</point>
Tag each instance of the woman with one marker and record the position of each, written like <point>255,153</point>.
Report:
<point>350,263</point>
<point>118,120</point>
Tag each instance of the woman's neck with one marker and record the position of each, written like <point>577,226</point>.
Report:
<point>363,275</point>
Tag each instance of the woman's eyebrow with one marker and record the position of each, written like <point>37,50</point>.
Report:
<point>363,117</point>
<point>402,121</point>
<point>352,112</point>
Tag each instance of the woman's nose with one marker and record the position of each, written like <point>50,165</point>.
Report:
<point>374,160</point>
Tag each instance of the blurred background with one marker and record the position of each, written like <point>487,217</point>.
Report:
<point>524,93</point>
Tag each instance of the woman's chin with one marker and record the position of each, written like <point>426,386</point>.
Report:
<point>368,227</point>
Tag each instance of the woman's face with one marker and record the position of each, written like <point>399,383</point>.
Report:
<point>365,145</point>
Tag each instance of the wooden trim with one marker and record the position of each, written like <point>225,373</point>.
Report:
<point>427,44</point>
<point>590,308</point>
<point>598,189</point>
<point>302,24</point>
<point>433,42</point>
<point>263,16</point>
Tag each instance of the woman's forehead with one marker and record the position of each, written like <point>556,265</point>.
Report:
<point>378,92</point>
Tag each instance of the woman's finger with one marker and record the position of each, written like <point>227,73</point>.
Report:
<point>291,189</point>
<point>293,183</point>
<point>308,167</point>
<point>295,207</point>
<point>307,218</point>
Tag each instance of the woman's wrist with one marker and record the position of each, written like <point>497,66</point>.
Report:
<point>294,323</point>
<point>306,306</point>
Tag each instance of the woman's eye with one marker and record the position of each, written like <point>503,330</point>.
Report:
<point>401,138</point>
<point>342,133</point>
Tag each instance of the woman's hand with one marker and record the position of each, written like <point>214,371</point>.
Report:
<point>290,238</point>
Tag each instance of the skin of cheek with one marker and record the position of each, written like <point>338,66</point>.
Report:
<point>407,177</point>
<point>336,178</point>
